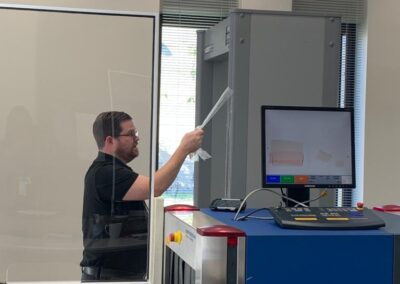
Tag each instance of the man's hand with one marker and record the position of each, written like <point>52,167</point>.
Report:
<point>165,176</point>
<point>191,141</point>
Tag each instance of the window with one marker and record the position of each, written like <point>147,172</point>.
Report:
<point>344,197</point>
<point>180,21</point>
<point>177,104</point>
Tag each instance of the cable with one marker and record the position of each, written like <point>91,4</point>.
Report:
<point>244,200</point>
<point>269,190</point>
<point>260,218</point>
<point>324,193</point>
<point>248,215</point>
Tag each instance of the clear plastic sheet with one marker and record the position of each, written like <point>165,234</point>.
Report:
<point>226,95</point>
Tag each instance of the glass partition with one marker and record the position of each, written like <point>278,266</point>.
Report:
<point>59,70</point>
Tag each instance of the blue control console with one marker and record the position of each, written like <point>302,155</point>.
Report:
<point>279,255</point>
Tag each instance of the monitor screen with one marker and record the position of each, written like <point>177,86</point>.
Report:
<point>306,147</point>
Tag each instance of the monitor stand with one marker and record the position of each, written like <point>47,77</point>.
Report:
<point>298,194</point>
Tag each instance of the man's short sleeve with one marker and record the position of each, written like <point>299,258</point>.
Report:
<point>121,178</point>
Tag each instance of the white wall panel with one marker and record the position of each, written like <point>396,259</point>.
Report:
<point>382,115</point>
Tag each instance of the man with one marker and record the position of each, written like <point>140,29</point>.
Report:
<point>114,219</point>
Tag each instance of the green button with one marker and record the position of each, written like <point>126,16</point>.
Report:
<point>287,179</point>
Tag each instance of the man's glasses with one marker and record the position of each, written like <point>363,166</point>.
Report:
<point>131,133</point>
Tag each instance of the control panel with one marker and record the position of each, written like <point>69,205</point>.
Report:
<point>351,218</point>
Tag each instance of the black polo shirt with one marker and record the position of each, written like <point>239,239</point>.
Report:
<point>108,176</point>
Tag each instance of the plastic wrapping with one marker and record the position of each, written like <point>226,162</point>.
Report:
<point>226,95</point>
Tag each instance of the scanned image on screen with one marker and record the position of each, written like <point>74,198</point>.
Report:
<point>286,153</point>
<point>308,143</point>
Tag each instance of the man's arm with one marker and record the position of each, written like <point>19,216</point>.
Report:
<point>166,175</point>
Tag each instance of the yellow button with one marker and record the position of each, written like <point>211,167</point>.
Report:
<point>178,237</point>
<point>337,219</point>
<point>305,219</point>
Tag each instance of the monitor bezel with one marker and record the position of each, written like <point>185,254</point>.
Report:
<point>264,109</point>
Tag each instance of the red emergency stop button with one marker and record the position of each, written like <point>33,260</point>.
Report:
<point>175,237</point>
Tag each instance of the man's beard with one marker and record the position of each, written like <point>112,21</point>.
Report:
<point>127,156</point>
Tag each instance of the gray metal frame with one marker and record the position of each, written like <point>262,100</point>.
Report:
<point>271,58</point>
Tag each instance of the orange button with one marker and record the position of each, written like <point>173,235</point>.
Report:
<point>301,179</point>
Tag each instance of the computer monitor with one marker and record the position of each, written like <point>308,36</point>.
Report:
<point>307,147</point>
